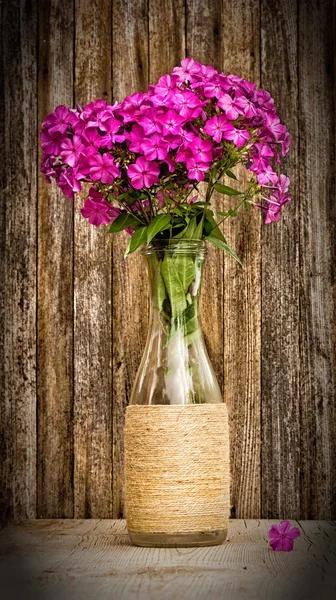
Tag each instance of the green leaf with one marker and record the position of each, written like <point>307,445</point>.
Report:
<point>213,228</point>
<point>220,244</point>
<point>185,268</point>
<point>180,234</point>
<point>157,224</point>
<point>159,287</point>
<point>174,285</point>
<point>178,211</point>
<point>198,231</point>
<point>230,174</point>
<point>123,221</point>
<point>190,231</point>
<point>137,239</point>
<point>226,190</point>
<point>196,204</point>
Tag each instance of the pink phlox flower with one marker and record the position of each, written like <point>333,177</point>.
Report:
<point>272,123</point>
<point>103,168</point>
<point>92,109</point>
<point>70,181</point>
<point>74,176</point>
<point>264,151</point>
<point>109,139</point>
<point>231,82</point>
<point>230,106</point>
<point>283,183</point>
<point>143,173</point>
<point>95,195</point>
<point>238,136</point>
<point>201,149</point>
<point>71,149</point>
<point>155,147</point>
<point>173,141</point>
<point>135,136</point>
<point>187,104</point>
<point>171,122</point>
<point>196,169</point>
<point>64,185</point>
<point>186,135</point>
<point>151,90</point>
<point>264,100</point>
<point>267,175</point>
<point>216,127</point>
<point>50,168</point>
<point>215,87</point>
<point>60,120</point>
<point>246,106</point>
<point>282,536</point>
<point>47,163</point>
<point>166,85</point>
<point>192,200</point>
<point>113,212</point>
<point>51,143</point>
<point>149,121</point>
<point>106,121</point>
<point>91,140</point>
<point>130,105</point>
<point>285,143</point>
<point>188,69</point>
<point>247,87</point>
<point>201,79</point>
<point>96,212</point>
<point>184,154</point>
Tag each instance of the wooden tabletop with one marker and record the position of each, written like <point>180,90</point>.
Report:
<point>93,559</point>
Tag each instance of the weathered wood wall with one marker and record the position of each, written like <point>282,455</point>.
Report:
<point>74,313</point>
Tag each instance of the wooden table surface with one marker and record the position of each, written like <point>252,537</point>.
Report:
<point>89,559</point>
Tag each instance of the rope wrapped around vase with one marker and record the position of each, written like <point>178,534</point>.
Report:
<point>177,468</point>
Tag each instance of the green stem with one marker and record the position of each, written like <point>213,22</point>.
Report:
<point>227,216</point>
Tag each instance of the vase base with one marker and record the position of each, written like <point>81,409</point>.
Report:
<point>178,540</point>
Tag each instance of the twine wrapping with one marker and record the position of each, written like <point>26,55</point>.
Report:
<point>177,468</point>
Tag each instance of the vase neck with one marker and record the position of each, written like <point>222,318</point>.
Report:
<point>175,273</point>
<point>175,368</point>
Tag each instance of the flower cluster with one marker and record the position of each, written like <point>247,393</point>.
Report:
<point>147,154</point>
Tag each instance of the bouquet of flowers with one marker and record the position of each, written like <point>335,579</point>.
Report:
<point>145,157</point>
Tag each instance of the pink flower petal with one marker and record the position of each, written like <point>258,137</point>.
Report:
<point>284,526</point>
<point>293,533</point>
<point>287,544</point>
<point>274,532</point>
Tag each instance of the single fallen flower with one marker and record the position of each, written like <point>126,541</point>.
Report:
<point>283,536</point>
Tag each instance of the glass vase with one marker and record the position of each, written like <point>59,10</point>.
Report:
<point>175,371</point>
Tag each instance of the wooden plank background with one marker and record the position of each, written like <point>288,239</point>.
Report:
<point>73,313</point>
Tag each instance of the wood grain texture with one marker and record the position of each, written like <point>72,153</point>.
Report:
<point>94,559</point>
<point>55,281</point>
<point>317,258</point>
<point>242,298</point>
<point>280,309</point>
<point>92,291</point>
<point>129,298</point>
<point>280,348</point>
<point>166,36</point>
<point>18,262</point>
<point>205,43</point>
